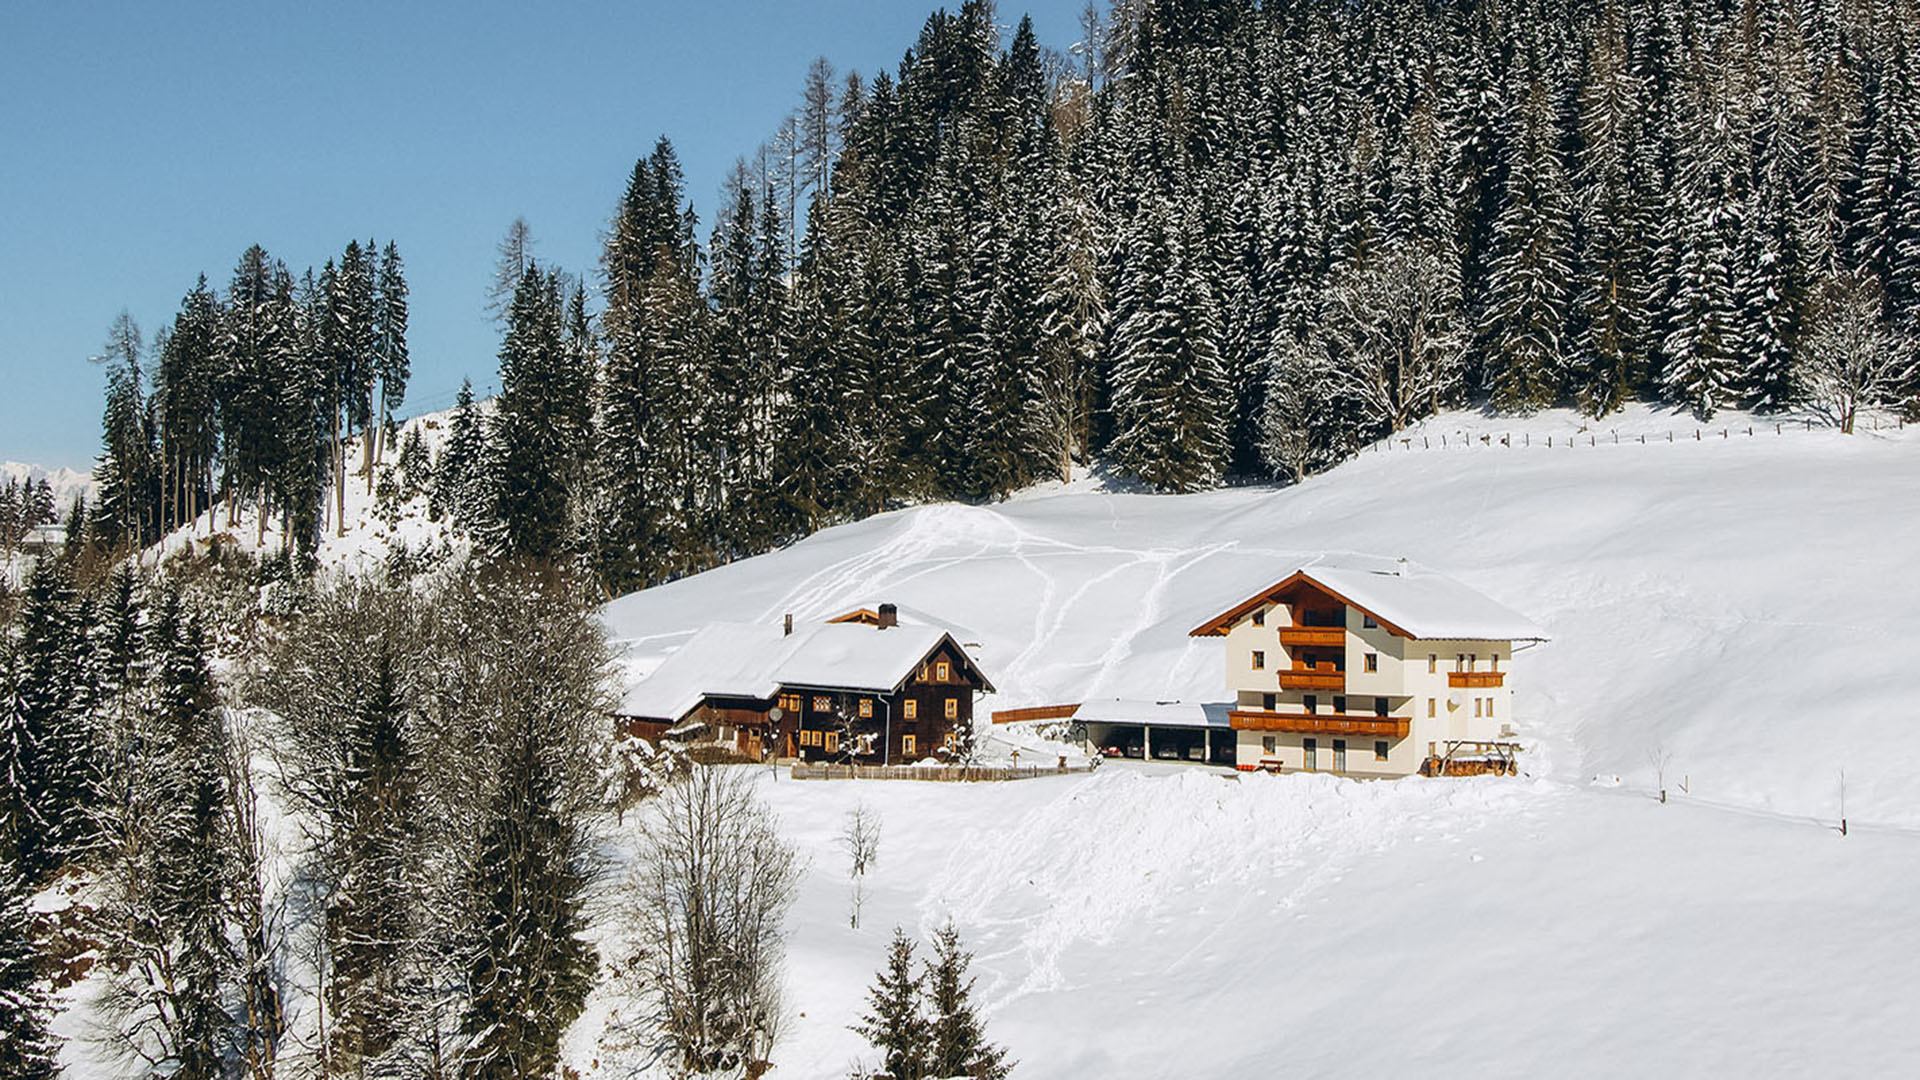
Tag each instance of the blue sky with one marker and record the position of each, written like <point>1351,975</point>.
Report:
<point>143,144</point>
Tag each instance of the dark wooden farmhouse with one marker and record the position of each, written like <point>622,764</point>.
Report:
<point>862,687</point>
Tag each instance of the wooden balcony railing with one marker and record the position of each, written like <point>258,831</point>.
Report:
<point>1323,676</point>
<point>1385,727</point>
<point>1294,637</point>
<point>1476,680</point>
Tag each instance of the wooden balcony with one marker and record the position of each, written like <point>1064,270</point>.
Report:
<point>1476,680</point>
<point>1323,677</point>
<point>1385,727</point>
<point>1324,637</point>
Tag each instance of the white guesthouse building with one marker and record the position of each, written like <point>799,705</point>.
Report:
<point>1371,672</point>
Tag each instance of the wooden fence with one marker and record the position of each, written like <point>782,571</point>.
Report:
<point>952,774</point>
<point>1461,440</point>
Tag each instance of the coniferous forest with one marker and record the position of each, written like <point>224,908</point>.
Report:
<point>1213,242</point>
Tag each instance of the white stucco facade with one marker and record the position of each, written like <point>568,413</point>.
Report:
<point>1320,683</point>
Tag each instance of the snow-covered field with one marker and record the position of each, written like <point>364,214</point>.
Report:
<point>1740,603</point>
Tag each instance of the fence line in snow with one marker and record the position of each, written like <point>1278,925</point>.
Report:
<point>1463,441</point>
<point>946,773</point>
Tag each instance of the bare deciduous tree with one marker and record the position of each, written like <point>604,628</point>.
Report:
<point>1852,357</point>
<point>860,837</point>
<point>715,882</point>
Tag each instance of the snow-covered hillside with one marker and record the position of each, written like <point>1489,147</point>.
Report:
<point>1739,601</point>
<point>370,536</point>
<point>1743,602</point>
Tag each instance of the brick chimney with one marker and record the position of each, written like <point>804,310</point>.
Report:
<point>889,616</point>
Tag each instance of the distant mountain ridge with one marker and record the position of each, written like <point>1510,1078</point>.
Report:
<point>66,483</point>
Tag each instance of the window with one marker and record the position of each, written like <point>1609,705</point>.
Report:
<point>922,674</point>
<point>1476,707</point>
<point>910,710</point>
<point>1260,617</point>
<point>790,703</point>
<point>952,740</point>
<point>833,742</point>
<point>1312,702</point>
<point>1473,661</point>
<point>866,707</point>
<point>943,671</point>
<point>1430,708</point>
<point>1380,750</point>
<point>906,745</point>
<point>821,704</point>
<point>1433,663</point>
<point>1340,705</point>
<point>1266,744</point>
<point>1339,755</point>
<point>1259,660</point>
<point>1267,702</point>
<point>953,708</point>
<point>1367,623</point>
<point>1489,706</point>
<point>1460,662</point>
<point>1309,750</point>
<point>1379,706</point>
<point>1493,662</point>
<point>1372,662</point>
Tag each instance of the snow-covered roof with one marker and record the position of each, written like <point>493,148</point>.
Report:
<point>1155,713</point>
<point>753,660</point>
<point>1405,597</point>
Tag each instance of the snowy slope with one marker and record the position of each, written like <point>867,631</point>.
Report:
<point>367,540</point>
<point>1741,601</point>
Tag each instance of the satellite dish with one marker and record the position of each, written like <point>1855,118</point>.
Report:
<point>776,713</point>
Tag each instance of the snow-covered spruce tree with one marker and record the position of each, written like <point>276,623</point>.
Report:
<point>1531,264</point>
<point>1171,403</point>
<point>712,883</point>
<point>49,758</point>
<point>390,360</point>
<point>895,1022</point>
<point>522,685</point>
<point>27,1051</point>
<point>956,1036</point>
<point>126,456</point>
<point>532,435</point>
<point>458,477</point>
<point>1073,315</point>
<point>1613,221</point>
<point>183,401</point>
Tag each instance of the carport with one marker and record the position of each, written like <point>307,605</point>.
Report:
<point>1194,732</point>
